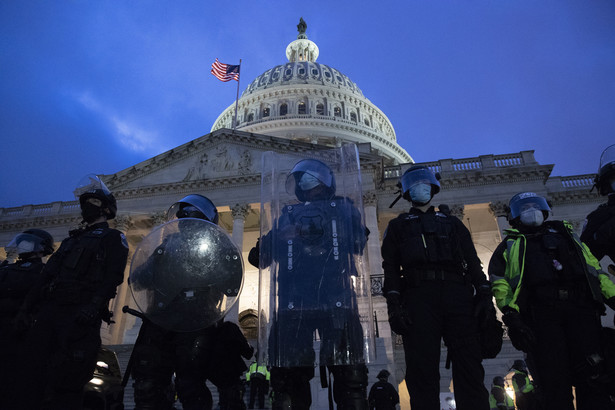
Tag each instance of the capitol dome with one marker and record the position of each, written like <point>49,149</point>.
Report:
<point>308,101</point>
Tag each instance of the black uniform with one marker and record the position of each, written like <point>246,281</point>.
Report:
<point>556,302</point>
<point>78,281</point>
<point>16,280</point>
<point>599,232</point>
<point>383,396</point>
<point>429,258</point>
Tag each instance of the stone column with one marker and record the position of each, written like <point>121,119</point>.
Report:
<point>500,210</point>
<point>122,223</point>
<point>239,213</point>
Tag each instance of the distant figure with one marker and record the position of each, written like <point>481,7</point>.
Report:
<point>499,399</point>
<point>382,395</point>
<point>258,379</point>
<point>525,394</point>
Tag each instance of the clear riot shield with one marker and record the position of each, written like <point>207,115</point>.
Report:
<point>186,274</point>
<point>314,297</point>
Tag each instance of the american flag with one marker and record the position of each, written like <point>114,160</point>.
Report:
<point>225,72</point>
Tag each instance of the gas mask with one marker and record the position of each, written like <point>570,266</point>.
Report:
<point>420,194</point>
<point>532,217</point>
<point>307,182</point>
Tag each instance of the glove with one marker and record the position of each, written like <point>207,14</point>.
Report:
<point>90,312</point>
<point>520,334</point>
<point>398,319</point>
<point>483,302</point>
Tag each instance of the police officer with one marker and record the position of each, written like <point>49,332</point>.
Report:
<point>550,290</point>
<point>193,355</point>
<point>525,394</point>
<point>599,231</point>
<point>382,395</point>
<point>258,377</point>
<point>16,280</point>
<point>498,399</point>
<point>74,292</point>
<point>313,245</point>
<point>431,272</point>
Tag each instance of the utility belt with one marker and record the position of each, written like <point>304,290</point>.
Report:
<point>415,277</point>
<point>560,293</point>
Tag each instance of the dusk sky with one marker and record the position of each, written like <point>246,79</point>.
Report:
<point>96,86</point>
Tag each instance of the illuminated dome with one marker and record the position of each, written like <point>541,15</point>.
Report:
<point>308,101</point>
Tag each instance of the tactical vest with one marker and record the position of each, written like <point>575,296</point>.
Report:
<point>430,242</point>
<point>508,401</point>
<point>508,288</point>
<point>82,266</point>
<point>16,280</point>
<point>316,262</point>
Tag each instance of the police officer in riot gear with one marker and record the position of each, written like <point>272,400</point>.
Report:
<point>382,395</point>
<point>16,280</point>
<point>76,285</point>
<point>599,230</point>
<point>498,399</point>
<point>171,343</point>
<point>431,273</point>
<point>550,290</point>
<point>312,244</point>
<point>525,393</point>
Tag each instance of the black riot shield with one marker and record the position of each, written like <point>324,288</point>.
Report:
<point>315,298</point>
<point>186,274</point>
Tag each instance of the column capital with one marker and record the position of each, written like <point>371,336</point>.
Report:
<point>370,198</point>
<point>498,209</point>
<point>240,211</point>
<point>123,222</point>
<point>158,218</point>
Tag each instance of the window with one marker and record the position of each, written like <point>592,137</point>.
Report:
<point>337,111</point>
<point>366,121</point>
<point>251,117</point>
<point>353,116</point>
<point>301,108</point>
<point>283,109</point>
<point>320,109</point>
<point>266,112</point>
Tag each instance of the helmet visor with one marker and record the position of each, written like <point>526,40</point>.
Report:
<point>418,176</point>
<point>90,184</point>
<point>607,157</point>
<point>312,167</point>
<point>193,206</point>
<point>527,201</point>
<point>25,243</point>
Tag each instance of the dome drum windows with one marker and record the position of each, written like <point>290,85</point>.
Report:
<point>301,108</point>
<point>283,109</point>
<point>266,112</point>
<point>337,111</point>
<point>320,109</point>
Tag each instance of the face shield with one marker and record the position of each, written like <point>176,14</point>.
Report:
<point>419,184</point>
<point>91,183</point>
<point>527,201</point>
<point>307,175</point>
<point>193,206</point>
<point>25,243</point>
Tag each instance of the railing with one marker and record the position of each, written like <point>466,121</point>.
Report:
<point>578,181</point>
<point>468,164</point>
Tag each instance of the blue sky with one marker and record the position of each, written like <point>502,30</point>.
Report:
<point>96,86</point>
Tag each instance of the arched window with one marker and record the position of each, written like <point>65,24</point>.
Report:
<point>283,109</point>
<point>266,112</point>
<point>366,121</point>
<point>320,109</point>
<point>353,116</point>
<point>337,111</point>
<point>251,117</point>
<point>301,109</point>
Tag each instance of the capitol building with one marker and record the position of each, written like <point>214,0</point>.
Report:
<point>303,106</point>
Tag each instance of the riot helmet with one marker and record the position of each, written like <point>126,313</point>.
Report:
<point>193,206</point>
<point>95,199</point>
<point>31,241</point>
<point>383,374</point>
<point>498,381</point>
<point>311,179</point>
<point>519,365</point>
<point>605,179</point>
<point>419,184</point>
<point>529,209</point>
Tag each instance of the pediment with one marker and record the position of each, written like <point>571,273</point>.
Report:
<point>221,155</point>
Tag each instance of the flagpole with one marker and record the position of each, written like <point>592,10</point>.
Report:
<point>237,98</point>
